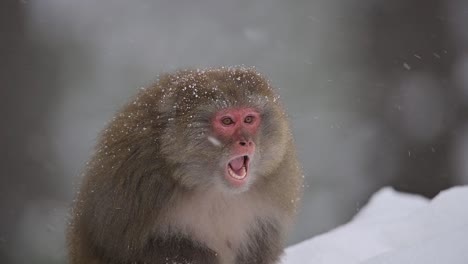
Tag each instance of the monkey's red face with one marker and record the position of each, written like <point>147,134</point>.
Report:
<point>238,128</point>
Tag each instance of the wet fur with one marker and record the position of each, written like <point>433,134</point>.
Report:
<point>142,202</point>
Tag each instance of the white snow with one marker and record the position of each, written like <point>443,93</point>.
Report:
<point>214,141</point>
<point>395,228</point>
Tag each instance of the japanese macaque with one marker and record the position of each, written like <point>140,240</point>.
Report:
<point>199,168</point>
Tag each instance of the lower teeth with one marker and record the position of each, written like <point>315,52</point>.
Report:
<point>235,175</point>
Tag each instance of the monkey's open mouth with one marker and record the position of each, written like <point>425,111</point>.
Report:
<point>237,169</point>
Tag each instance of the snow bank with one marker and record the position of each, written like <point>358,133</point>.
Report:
<point>395,228</point>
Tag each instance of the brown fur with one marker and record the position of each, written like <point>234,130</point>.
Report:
<point>152,192</point>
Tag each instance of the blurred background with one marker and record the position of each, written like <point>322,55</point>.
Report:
<point>377,92</point>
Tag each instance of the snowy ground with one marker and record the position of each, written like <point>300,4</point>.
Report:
<point>395,228</point>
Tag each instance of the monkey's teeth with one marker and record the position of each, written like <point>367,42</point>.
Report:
<point>243,173</point>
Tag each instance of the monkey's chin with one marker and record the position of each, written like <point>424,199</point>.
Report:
<point>237,171</point>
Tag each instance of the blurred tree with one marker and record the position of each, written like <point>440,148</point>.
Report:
<point>407,38</point>
<point>28,90</point>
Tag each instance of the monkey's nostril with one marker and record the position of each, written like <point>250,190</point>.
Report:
<point>242,143</point>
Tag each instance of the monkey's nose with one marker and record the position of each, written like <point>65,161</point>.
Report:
<point>244,147</point>
<point>245,143</point>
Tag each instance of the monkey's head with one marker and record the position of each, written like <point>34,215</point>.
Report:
<point>218,127</point>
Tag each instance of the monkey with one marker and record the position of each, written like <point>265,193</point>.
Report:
<point>200,168</point>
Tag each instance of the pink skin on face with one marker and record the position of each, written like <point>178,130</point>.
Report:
<point>239,125</point>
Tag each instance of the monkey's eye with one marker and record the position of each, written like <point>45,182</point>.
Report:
<point>227,121</point>
<point>249,119</point>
